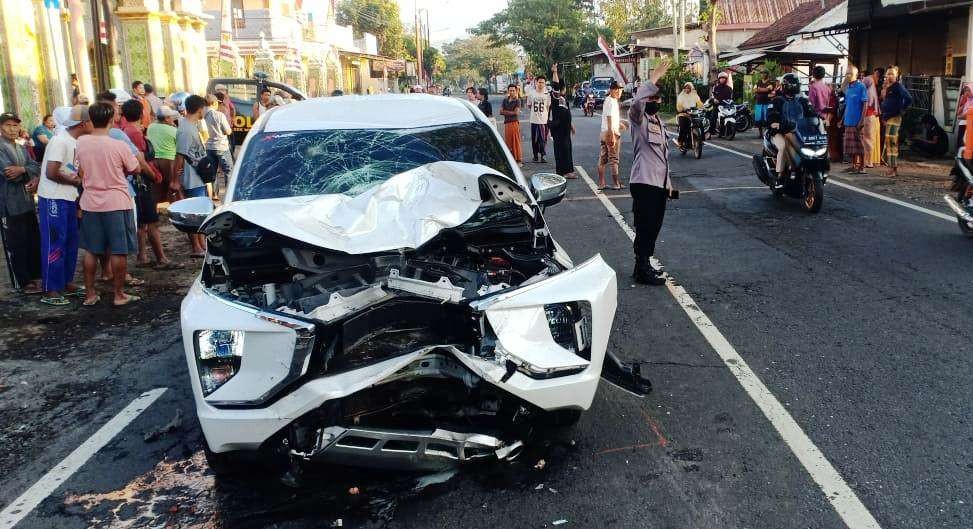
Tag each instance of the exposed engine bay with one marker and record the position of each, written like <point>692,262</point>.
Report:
<point>495,250</point>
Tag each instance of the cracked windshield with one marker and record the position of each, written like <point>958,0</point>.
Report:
<point>288,164</point>
<point>689,264</point>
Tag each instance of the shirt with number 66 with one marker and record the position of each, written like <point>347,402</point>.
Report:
<point>540,107</point>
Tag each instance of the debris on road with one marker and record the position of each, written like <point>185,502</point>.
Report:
<point>169,427</point>
<point>539,486</point>
<point>559,522</point>
<point>540,465</point>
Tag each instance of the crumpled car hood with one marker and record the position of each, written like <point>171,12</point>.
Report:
<point>405,211</point>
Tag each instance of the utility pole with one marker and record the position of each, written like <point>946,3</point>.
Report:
<point>427,24</point>
<point>419,72</point>
<point>675,31</point>
<point>682,23</point>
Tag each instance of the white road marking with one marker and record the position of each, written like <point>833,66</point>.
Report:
<point>731,188</point>
<point>831,180</point>
<point>29,500</point>
<point>836,490</point>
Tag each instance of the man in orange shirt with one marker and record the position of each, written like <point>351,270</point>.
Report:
<point>138,92</point>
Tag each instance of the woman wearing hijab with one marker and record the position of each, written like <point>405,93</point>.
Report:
<point>561,130</point>
<point>686,100</point>
<point>962,107</point>
<point>871,141</point>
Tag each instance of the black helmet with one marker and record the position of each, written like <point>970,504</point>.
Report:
<point>790,84</point>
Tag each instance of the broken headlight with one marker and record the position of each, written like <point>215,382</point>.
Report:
<point>218,356</point>
<point>570,325</point>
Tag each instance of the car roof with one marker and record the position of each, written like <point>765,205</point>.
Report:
<point>381,111</point>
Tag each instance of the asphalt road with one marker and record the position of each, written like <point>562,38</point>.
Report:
<point>853,319</point>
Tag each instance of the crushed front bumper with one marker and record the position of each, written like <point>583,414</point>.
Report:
<point>394,449</point>
<point>516,316</point>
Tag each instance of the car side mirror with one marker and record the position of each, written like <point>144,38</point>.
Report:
<point>549,188</point>
<point>187,215</point>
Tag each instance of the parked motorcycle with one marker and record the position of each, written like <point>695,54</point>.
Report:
<point>744,117</point>
<point>962,205</point>
<point>698,124</point>
<point>809,165</point>
<point>725,117</point>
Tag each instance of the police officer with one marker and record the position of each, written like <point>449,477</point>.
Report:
<point>650,184</point>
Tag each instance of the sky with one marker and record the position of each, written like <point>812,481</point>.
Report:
<point>449,19</point>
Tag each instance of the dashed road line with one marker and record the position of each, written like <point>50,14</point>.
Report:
<point>844,500</point>
<point>29,500</point>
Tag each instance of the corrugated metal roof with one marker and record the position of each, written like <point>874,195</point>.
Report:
<point>756,11</point>
<point>777,32</point>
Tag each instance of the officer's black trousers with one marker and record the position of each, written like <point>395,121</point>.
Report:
<point>649,207</point>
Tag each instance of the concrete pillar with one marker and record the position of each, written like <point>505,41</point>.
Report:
<point>23,62</point>
<point>79,48</point>
<point>969,44</point>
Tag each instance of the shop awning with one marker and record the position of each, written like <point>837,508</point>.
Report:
<point>744,59</point>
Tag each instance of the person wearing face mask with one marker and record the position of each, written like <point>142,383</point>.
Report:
<point>649,183</point>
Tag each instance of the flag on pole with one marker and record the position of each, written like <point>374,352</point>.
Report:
<point>228,49</point>
<point>603,46</point>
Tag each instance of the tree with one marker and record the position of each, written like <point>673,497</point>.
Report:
<point>378,17</point>
<point>433,63</point>
<point>549,31</point>
<point>626,16</point>
<point>476,59</point>
<point>709,19</point>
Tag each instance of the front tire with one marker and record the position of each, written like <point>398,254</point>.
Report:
<point>730,132</point>
<point>744,123</point>
<point>698,144</point>
<point>813,193</point>
<point>963,228</point>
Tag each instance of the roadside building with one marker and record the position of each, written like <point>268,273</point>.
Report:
<point>739,21</point>
<point>51,48</point>
<point>786,43</point>
<point>929,41</point>
<point>298,43</point>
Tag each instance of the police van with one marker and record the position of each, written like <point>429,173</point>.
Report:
<point>244,94</point>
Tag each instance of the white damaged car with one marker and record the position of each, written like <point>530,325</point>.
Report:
<point>380,288</point>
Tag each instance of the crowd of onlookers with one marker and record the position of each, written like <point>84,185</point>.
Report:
<point>98,172</point>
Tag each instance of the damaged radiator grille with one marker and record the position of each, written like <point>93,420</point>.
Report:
<point>393,328</point>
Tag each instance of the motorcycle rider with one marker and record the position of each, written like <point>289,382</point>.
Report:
<point>686,100</point>
<point>589,103</point>
<point>721,91</point>
<point>788,108</point>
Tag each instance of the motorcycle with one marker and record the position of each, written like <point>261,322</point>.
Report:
<point>809,165</point>
<point>744,117</point>
<point>589,106</point>
<point>698,124</point>
<point>725,117</point>
<point>962,205</point>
